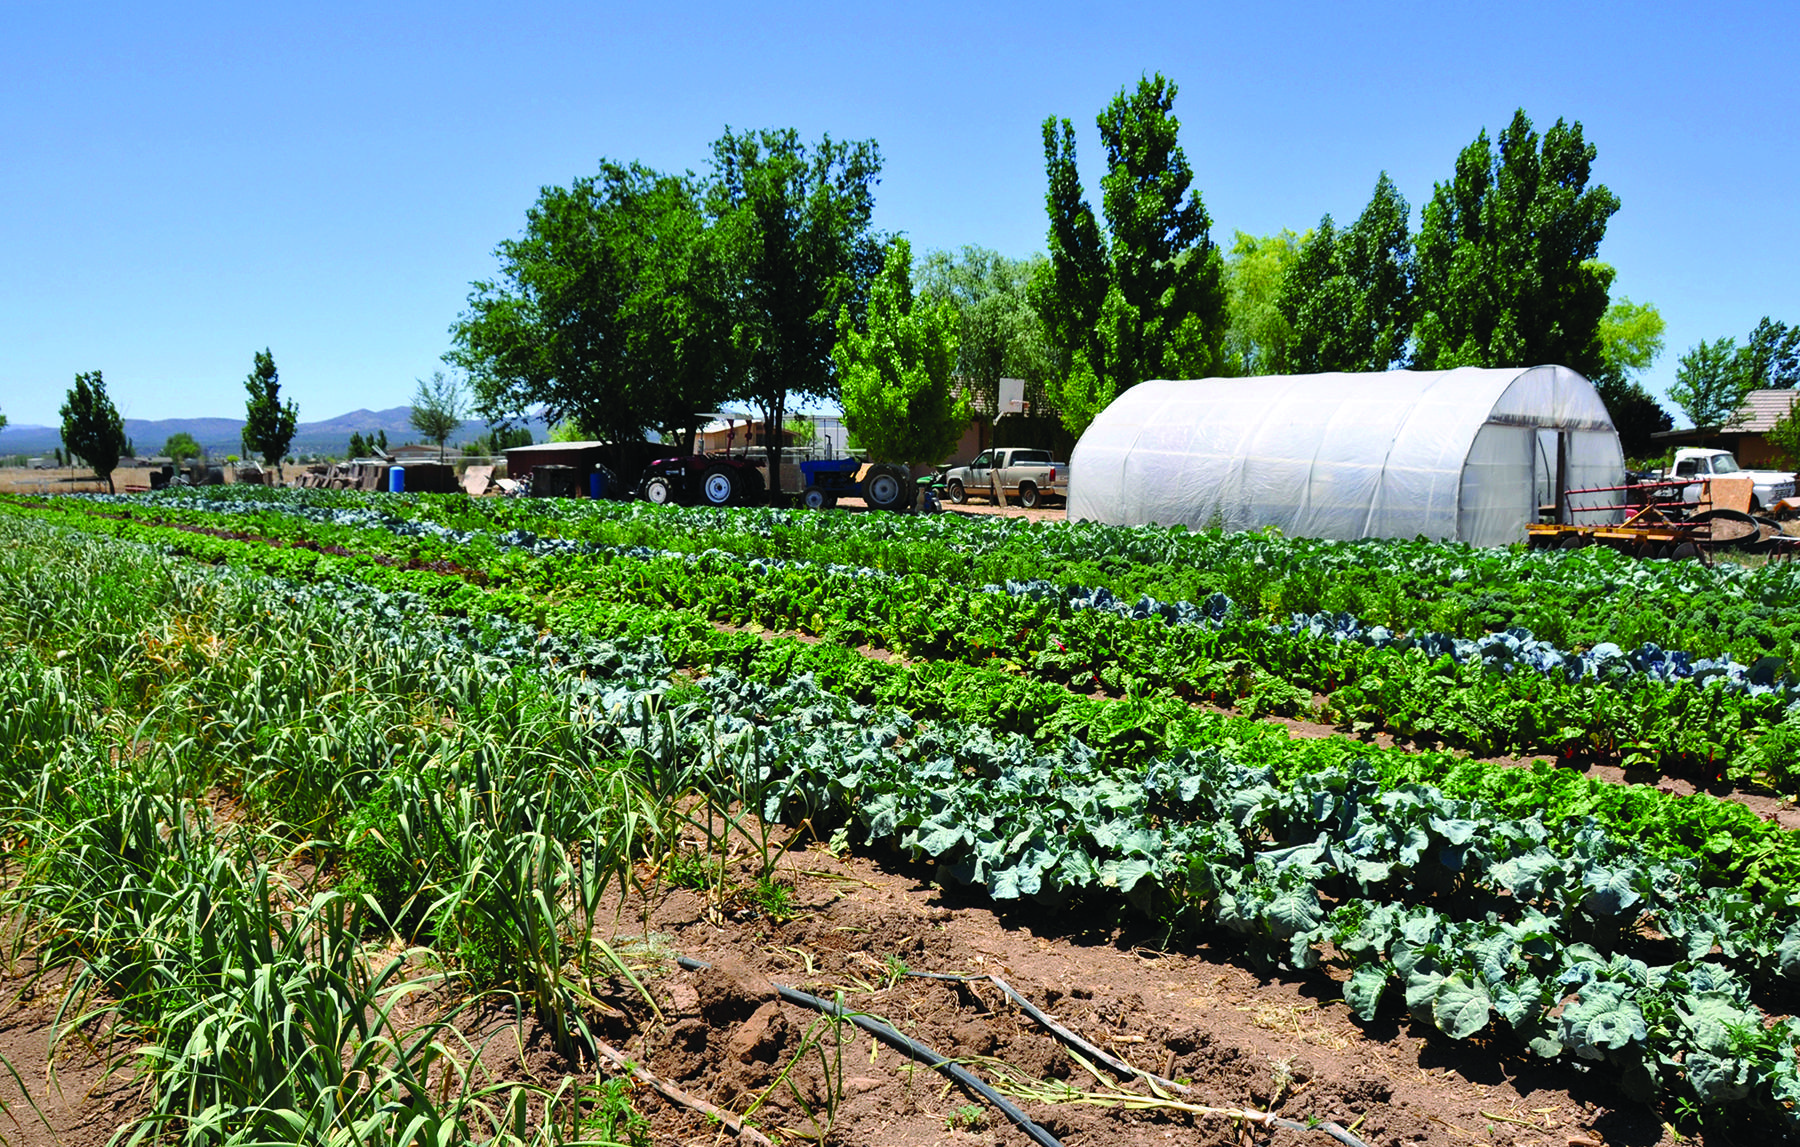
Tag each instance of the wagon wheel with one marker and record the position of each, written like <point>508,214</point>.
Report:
<point>1727,527</point>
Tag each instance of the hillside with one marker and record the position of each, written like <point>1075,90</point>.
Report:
<point>223,436</point>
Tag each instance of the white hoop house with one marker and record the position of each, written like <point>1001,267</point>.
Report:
<point>1469,454</point>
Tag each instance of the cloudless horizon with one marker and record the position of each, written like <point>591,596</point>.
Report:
<point>186,185</point>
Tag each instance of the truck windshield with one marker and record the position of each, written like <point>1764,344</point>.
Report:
<point>1725,464</point>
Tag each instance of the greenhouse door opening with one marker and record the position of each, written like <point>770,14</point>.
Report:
<point>1551,467</point>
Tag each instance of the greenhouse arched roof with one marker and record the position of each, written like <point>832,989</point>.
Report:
<point>1467,454</point>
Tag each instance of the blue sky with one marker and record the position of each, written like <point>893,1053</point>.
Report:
<point>183,185</point>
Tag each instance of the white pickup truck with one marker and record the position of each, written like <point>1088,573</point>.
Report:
<point>1694,464</point>
<point>1031,476</point>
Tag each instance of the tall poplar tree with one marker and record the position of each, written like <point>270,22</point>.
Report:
<point>1348,295</point>
<point>1145,297</point>
<point>1505,266</point>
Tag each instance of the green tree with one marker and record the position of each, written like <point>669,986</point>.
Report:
<point>1258,336</point>
<point>1631,339</point>
<point>1784,436</point>
<point>2,422</point>
<point>359,446</point>
<point>796,246</point>
<point>268,425</point>
<point>1144,298</point>
<point>1710,384</point>
<point>1000,333</point>
<point>498,440</point>
<point>437,408</point>
<point>1771,356</point>
<point>1348,295</point>
<point>91,426</point>
<point>606,311</point>
<point>181,446</point>
<point>895,377</point>
<point>1505,270</point>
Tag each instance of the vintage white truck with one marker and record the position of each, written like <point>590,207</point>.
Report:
<point>1694,464</point>
<point>1031,476</point>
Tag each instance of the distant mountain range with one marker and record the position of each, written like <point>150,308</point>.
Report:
<point>220,437</point>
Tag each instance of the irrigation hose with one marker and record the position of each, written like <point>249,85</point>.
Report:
<point>910,1047</point>
<point>1125,1071</point>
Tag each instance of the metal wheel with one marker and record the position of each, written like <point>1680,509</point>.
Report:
<point>659,490</point>
<point>815,498</point>
<point>957,493</point>
<point>1028,494</point>
<point>719,486</point>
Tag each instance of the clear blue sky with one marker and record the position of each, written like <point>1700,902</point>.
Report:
<point>182,185</point>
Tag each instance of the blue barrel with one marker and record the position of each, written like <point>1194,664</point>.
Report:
<point>396,479</point>
<point>596,485</point>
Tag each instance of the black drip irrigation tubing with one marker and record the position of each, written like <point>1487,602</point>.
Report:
<point>908,1046</point>
<point>1124,1070</point>
<point>968,1079</point>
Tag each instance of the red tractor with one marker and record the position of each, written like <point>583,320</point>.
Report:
<point>702,479</point>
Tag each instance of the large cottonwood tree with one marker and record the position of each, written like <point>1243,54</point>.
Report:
<point>795,245</point>
<point>605,313</point>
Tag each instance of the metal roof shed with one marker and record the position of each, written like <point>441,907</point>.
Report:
<point>1467,454</point>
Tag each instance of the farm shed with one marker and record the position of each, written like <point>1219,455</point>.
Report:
<point>1469,454</point>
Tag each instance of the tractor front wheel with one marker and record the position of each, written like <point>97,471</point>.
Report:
<point>658,490</point>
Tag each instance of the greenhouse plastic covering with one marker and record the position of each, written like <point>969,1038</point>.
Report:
<point>1467,454</point>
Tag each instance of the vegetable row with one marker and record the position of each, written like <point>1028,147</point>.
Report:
<point>1643,707</point>
<point>1573,600</point>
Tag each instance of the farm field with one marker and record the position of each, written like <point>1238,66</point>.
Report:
<point>388,819</point>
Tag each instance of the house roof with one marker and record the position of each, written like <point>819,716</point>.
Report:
<point>552,447</point>
<point>1762,409</point>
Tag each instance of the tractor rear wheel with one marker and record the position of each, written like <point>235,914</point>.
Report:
<point>720,486</point>
<point>888,488</point>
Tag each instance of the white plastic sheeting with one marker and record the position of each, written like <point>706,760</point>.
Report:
<point>1467,454</point>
